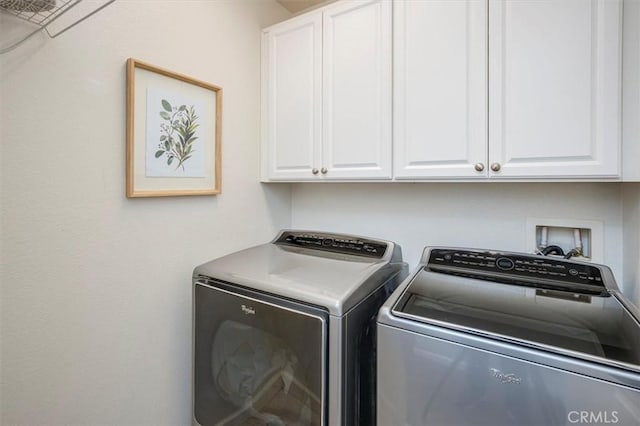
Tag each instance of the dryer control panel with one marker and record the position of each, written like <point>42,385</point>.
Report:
<point>519,269</point>
<point>334,243</point>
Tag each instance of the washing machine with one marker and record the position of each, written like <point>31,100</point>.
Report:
<point>284,332</point>
<point>483,337</point>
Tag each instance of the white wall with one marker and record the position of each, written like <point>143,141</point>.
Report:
<point>631,246</point>
<point>483,215</point>
<point>95,287</point>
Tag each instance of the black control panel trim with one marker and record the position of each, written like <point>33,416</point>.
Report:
<point>334,243</point>
<point>519,269</point>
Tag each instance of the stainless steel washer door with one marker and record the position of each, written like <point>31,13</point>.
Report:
<point>258,359</point>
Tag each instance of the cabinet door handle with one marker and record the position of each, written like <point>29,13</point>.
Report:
<point>314,171</point>
<point>479,167</point>
<point>495,167</point>
<point>324,170</point>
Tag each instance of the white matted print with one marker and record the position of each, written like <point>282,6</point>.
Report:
<point>174,140</point>
<point>173,133</point>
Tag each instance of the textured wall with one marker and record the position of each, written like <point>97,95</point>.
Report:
<point>631,216</point>
<point>95,287</point>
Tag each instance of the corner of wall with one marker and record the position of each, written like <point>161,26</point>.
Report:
<point>631,241</point>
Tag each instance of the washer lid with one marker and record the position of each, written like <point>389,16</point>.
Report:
<point>328,270</point>
<point>597,327</point>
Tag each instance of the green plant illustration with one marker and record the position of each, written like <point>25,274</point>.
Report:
<point>177,133</point>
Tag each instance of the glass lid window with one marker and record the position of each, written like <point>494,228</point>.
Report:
<point>257,363</point>
<point>597,326</point>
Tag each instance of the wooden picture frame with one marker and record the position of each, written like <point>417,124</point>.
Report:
<point>174,131</point>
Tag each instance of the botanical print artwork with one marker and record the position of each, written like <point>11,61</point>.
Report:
<point>174,129</point>
<point>177,134</point>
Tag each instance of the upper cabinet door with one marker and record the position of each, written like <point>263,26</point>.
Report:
<point>357,90</point>
<point>292,99</point>
<point>440,89</point>
<point>554,88</point>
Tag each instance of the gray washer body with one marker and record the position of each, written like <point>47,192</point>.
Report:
<point>437,371</point>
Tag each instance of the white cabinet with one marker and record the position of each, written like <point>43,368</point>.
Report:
<point>553,84</point>
<point>291,98</point>
<point>631,92</point>
<point>357,90</point>
<point>440,88</point>
<point>554,87</point>
<point>327,94</point>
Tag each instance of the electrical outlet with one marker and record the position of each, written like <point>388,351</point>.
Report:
<point>562,233</point>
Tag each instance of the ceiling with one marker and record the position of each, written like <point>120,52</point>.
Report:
<point>295,6</point>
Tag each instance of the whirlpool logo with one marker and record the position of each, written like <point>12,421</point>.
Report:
<point>593,417</point>
<point>505,378</point>
<point>248,310</point>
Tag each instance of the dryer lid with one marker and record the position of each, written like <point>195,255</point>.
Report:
<point>597,327</point>
<point>333,271</point>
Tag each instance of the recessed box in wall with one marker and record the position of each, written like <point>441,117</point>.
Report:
<point>561,232</point>
<point>565,238</point>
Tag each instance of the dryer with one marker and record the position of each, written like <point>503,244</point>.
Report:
<point>484,337</point>
<point>284,332</point>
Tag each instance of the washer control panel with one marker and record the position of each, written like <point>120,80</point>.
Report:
<point>334,243</point>
<point>522,269</point>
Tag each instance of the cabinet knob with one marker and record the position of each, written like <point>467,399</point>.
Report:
<point>324,170</point>
<point>479,167</point>
<point>314,171</point>
<point>495,167</point>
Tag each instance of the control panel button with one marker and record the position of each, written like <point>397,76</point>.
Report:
<point>521,269</point>
<point>505,263</point>
<point>334,243</point>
